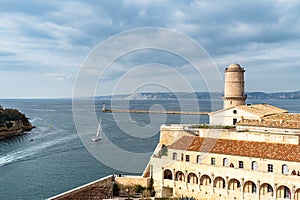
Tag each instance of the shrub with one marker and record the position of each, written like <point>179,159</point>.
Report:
<point>151,188</point>
<point>12,115</point>
<point>139,189</point>
<point>116,190</point>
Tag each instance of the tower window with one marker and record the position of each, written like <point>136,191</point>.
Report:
<point>234,111</point>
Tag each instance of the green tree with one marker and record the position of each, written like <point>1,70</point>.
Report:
<point>116,190</point>
<point>151,187</point>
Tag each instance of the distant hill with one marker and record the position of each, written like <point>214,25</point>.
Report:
<point>164,96</point>
<point>277,95</point>
<point>200,95</point>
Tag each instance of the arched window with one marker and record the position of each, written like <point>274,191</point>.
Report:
<point>297,194</point>
<point>219,182</point>
<point>168,174</point>
<point>253,188</point>
<point>234,184</point>
<point>254,166</point>
<point>250,187</point>
<point>192,178</point>
<point>266,189</point>
<point>205,180</point>
<point>179,176</point>
<point>284,192</point>
<point>174,156</point>
<point>285,169</point>
<point>225,162</point>
<point>198,159</point>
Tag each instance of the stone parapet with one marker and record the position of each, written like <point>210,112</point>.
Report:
<point>133,180</point>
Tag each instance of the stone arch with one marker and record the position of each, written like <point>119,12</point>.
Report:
<point>192,178</point>
<point>219,182</point>
<point>297,194</point>
<point>168,174</point>
<point>234,184</point>
<point>179,176</point>
<point>250,187</point>
<point>266,190</point>
<point>205,180</point>
<point>283,192</point>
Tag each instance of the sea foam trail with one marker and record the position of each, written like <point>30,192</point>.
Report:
<point>35,119</point>
<point>30,152</point>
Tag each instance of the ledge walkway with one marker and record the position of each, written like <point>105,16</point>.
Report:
<point>155,112</point>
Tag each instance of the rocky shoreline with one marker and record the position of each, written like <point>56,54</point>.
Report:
<point>13,122</point>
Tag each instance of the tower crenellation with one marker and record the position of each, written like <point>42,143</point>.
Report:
<point>234,89</point>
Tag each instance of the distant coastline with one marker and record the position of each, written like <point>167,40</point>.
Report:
<point>200,95</point>
<point>13,122</point>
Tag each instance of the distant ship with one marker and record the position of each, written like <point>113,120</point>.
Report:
<point>98,134</point>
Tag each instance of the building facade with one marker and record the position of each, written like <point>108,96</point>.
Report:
<point>230,116</point>
<point>246,152</point>
<point>212,165</point>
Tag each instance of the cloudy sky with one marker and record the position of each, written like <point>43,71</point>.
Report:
<point>44,43</point>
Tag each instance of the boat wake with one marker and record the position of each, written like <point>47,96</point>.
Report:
<point>35,119</point>
<point>35,151</point>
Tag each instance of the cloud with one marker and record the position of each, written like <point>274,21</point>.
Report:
<point>54,37</point>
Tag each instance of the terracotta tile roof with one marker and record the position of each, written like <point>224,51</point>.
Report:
<point>275,151</point>
<point>262,109</point>
<point>284,117</point>
<point>284,120</point>
<point>256,109</point>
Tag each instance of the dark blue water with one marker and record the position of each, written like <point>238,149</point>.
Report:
<point>52,159</point>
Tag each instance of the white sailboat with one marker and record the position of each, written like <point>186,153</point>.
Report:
<point>98,134</point>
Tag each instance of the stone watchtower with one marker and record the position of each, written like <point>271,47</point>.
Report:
<point>234,94</point>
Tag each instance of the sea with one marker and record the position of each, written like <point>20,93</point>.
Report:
<point>52,158</point>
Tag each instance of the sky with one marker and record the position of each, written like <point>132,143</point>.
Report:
<point>44,44</point>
